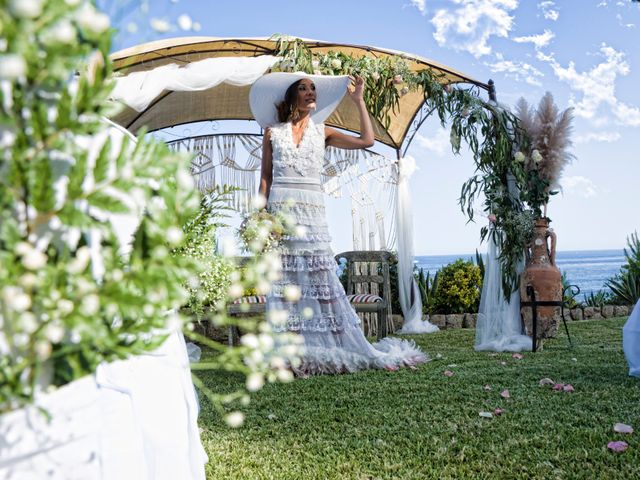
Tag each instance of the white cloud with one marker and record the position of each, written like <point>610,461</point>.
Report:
<point>597,86</point>
<point>579,185</point>
<point>548,10</point>
<point>520,71</point>
<point>539,41</point>
<point>608,137</point>
<point>438,143</point>
<point>622,24</point>
<point>469,24</point>
<point>419,4</point>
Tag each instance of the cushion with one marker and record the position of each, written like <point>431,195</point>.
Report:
<point>251,299</point>
<point>364,298</point>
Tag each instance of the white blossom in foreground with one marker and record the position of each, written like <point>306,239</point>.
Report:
<point>234,419</point>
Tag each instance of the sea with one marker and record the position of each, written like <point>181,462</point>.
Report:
<point>588,269</point>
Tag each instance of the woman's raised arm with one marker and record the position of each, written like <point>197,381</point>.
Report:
<point>340,140</point>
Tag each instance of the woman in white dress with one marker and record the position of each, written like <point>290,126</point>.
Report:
<point>292,108</point>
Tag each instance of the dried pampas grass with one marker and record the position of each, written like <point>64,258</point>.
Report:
<point>550,134</point>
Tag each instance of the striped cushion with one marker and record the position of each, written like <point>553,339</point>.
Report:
<point>363,298</point>
<point>251,299</point>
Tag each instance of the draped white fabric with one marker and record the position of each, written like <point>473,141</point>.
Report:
<point>410,300</point>
<point>631,341</point>
<point>499,327</point>
<point>139,89</point>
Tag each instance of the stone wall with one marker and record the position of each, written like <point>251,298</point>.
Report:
<point>468,320</point>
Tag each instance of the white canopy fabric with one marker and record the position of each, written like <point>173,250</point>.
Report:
<point>138,90</point>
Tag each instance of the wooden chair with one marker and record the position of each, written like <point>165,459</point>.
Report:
<point>368,284</point>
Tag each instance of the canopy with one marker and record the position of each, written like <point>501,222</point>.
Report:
<point>226,101</point>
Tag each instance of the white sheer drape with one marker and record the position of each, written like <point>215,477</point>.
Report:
<point>410,300</point>
<point>631,341</point>
<point>499,327</point>
<point>139,89</point>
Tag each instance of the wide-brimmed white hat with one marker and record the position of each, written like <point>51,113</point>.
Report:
<point>269,90</point>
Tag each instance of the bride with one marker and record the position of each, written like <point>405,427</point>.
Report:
<point>292,107</point>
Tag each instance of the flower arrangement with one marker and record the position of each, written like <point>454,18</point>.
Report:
<point>546,154</point>
<point>262,231</point>
<point>73,291</point>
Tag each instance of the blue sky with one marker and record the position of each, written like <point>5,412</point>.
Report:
<point>585,52</point>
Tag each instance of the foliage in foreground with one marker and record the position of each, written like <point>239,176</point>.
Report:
<point>424,425</point>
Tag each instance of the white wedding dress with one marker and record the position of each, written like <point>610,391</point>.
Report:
<point>334,342</point>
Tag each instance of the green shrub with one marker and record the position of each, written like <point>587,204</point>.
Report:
<point>459,288</point>
<point>626,284</point>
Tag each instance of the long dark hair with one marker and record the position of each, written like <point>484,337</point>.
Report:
<point>288,108</point>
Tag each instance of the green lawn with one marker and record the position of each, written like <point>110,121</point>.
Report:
<point>422,424</point>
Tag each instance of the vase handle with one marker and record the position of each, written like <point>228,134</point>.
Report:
<point>552,250</point>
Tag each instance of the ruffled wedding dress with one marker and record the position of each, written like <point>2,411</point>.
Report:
<point>334,342</point>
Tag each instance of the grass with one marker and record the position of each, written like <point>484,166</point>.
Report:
<point>423,425</point>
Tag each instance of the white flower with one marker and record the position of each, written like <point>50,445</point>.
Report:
<point>34,260</point>
<point>90,19</point>
<point>174,235</point>
<point>174,323</point>
<point>234,419</point>
<point>278,317</point>
<point>255,381</point>
<point>148,309</point>
<point>26,8</point>
<point>375,76</point>
<point>28,322</point>
<point>301,231</point>
<point>62,32</point>
<point>249,340</point>
<point>536,157</point>
<point>315,64</point>
<point>185,180</point>
<point>266,342</point>
<point>307,313</point>
<point>336,63</point>
<point>519,157</point>
<point>263,287</point>
<point>235,290</point>
<point>28,280</point>
<point>285,376</point>
<point>54,332</point>
<point>160,25</point>
<point>7,138</point>
<point>43,349</point>
<point>65,307</point>
<point>292,293</point>
<point>228,247</point>
<point>12,66</point>
<point>278,363</point>
<point>80,262</point>
<point>185,22</point>
<point>259,201</point>
<point>90,305</point>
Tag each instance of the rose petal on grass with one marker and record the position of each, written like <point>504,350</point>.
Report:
<point>618,446</point>
<point>486,414</point>
<point>574,359</point>
<point>546,381</point>
<point>568,388</point>
<point>558,386</point>
<point>448,373</point>
<point>517,356</point>
<point>505,393</point>
<point>622,428</point>
<point>498,411</point>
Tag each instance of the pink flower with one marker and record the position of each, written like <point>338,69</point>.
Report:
<point>558,386</point>
<point>448,373</point>
<point>517,356</point>
<point>568,388</point>
<point>397,79</point>
<point>492,218</point>
<point>618,446</point>
<point>505,394</point>
<point>498,411</point>
<point>622,428</point>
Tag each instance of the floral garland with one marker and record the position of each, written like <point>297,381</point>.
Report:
<point>511,193</point>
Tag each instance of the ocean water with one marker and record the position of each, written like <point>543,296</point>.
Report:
<point>588,269</point>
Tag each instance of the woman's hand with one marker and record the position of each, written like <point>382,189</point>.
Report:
<point>357,94</point>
